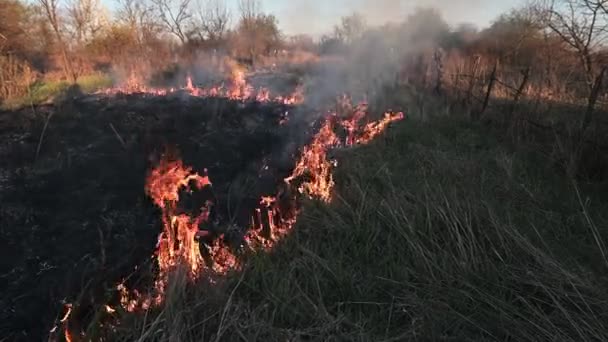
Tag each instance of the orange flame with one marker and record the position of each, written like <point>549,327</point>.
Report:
<point>315,164</point>
<point>177,243</point>
<point>238,89</point>
<point>373,129</point>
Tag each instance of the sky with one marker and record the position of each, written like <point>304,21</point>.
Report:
<point>319,16</point>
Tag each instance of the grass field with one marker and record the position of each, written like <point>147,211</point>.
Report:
<point>438,231</point>
<point>48,90</point>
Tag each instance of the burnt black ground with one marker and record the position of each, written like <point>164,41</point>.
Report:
<point>76,220</point>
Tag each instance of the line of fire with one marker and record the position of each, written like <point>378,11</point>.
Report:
<point>199,233</point>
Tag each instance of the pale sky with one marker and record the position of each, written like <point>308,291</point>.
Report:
<point>319,16</point>
<point>316,16</point>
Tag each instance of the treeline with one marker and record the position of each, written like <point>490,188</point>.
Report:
<point>67,39</point>
<point>558,44</point>
<point>542,66</point>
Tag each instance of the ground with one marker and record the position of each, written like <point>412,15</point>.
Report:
<point>75,219</point>
<point>438,231</point>
<point>441,229</point>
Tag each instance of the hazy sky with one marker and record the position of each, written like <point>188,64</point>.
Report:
<point>319,16</point>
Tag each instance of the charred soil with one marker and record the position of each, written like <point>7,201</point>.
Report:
<point>75,220</point>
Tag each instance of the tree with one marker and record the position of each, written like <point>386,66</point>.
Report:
<point>249,9</point>
<point>351,28</point>
<point>583,27</point>
<point>51,9</point>
<point>84,19</point>
<point>13,34</point>
<point>214,17</point>
<point>514,38</point>
<point>257,34</point>
<point>176,17</point>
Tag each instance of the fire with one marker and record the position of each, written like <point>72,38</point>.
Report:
<point>373,129</point>
<point>189,84</point>
<point>238,89</point>
<point>351,125</point>
<point>67,335</point>
<point>178,243</point>
<point>272,220</point>
<point>315,164</point>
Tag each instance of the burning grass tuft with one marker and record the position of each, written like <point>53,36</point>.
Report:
<point>436,232</point>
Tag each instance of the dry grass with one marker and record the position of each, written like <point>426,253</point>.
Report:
<point>437,232</point>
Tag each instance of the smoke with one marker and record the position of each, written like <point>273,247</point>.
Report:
<point>318,17</point>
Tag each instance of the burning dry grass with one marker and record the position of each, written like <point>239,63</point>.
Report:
<point>178,252</point>
<point>236,88</point>
<point>438,233</point>
<point>178,242</point>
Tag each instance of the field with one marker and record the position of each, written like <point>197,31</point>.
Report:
<point>75,217</point>
<point>439,229</point>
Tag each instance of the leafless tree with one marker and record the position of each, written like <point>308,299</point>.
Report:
<point>583,26</point>
<point>249,9</point>
<point>214,17</point>
<point>176,17</point>
<point>84,19</point>
<point>138,16</point>
<point>51,9</point>
<point>351,28</point>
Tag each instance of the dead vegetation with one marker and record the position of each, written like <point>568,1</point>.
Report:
<point>478,218</point>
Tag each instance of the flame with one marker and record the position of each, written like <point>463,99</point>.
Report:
<point>351,125</point>
<point>67,335</point>
<point>373,129</point>
<point>189,84</point>
<point>238,90</point>
<point>271,221</point>
<point>315,164</point>
<point>178,242</point>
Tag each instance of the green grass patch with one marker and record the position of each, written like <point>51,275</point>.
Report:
<point>42,91</point>
<point>437,232</point>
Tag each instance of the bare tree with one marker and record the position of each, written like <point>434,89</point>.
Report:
<point>51,8</point>
<point>583,26</point>
<point>176,16</point>
<point>214,17</point>
<point>84,19</point>
<point>249,9</point>
<point>256,33</point>
<point>351,28</point>
<point>138,16</point>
